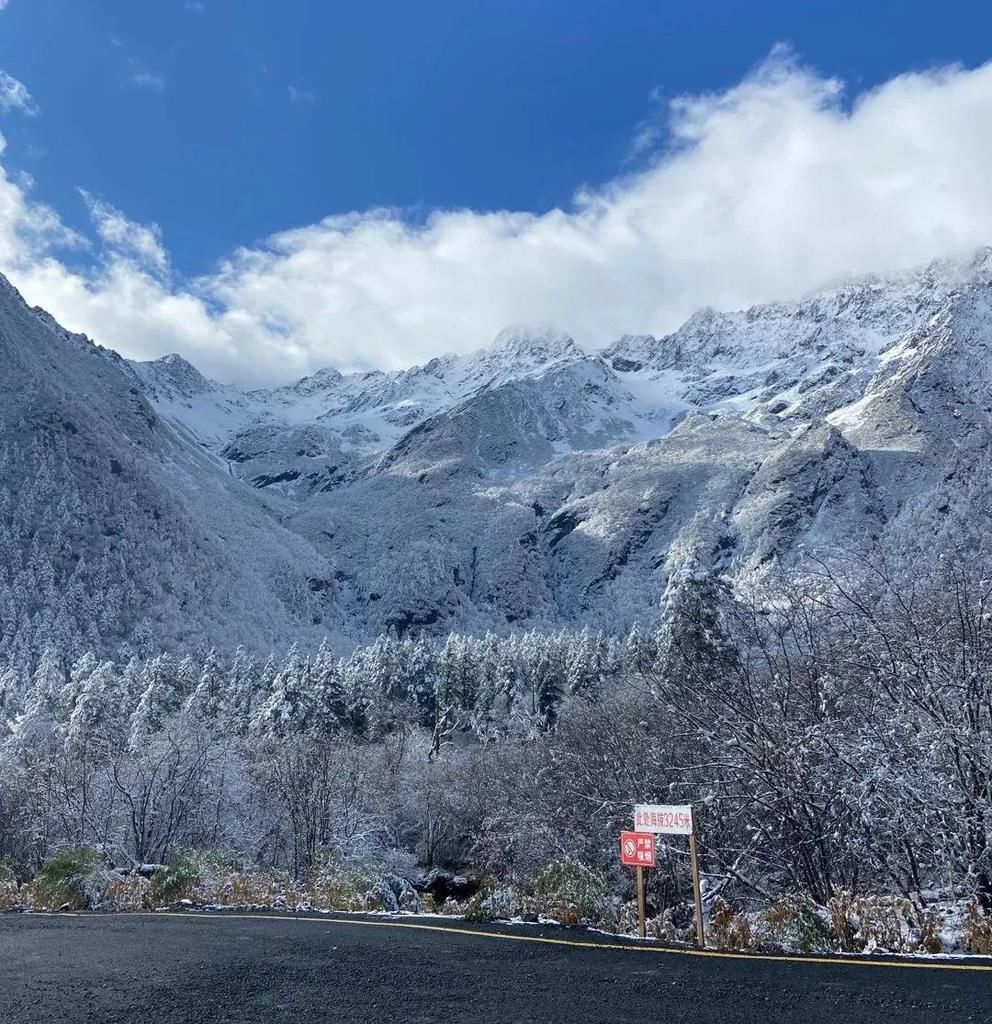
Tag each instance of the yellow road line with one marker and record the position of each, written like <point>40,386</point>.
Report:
<point>578,944</point>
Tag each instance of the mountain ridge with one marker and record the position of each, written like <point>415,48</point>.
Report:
<point>528,485</point>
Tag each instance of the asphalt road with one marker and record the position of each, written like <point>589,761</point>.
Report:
<point>274,969</point>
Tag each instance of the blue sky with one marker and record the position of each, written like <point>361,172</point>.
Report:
<point>222,122</point>
<point>182,113</point>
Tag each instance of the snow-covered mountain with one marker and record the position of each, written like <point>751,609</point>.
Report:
<point>529,484</point>
<point>113,526</point>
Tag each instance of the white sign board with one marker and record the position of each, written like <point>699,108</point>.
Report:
<point>667,819</point>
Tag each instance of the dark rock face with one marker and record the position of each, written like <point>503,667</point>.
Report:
<point>622,365</point>
<point>444,884</point>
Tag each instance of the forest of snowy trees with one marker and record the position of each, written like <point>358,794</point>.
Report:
<point>833,728</point>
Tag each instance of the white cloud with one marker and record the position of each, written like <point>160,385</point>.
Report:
<point>28,230</point>
<point>650,133</point>
<point>126,239</point>
<point>148,80</point>
<point>3,5</point>
<point>298,95</point>
<point>761,192</point>
<point>143,78</point>
<point>195,6</point>
<point>14,95</point>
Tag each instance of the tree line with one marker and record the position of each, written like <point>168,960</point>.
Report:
<point>832,725</point>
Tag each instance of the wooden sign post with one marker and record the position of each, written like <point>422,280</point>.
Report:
<point>700,935</point>
<point>642,910</point>
<point>676,820</point>
<point>637,850</point>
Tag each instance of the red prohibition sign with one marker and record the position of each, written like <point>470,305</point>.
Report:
<point>637,849</point>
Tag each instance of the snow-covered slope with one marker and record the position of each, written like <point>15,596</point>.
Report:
<point>533,483</point>
<point>113,526</point>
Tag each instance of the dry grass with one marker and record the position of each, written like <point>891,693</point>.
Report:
<point>214,879</point>
<point>865,923</point>
<point>564,891</point>
<point>30,896</point>
<point>10,896</point>
<point>129,893</point>
<point>977,930</point>
<point>240,889</point>
<point>729,928</point>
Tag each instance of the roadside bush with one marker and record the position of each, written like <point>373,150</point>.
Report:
<point>676,924</point>
<point>494,903</point>
<point>451,908</point>
<point>130,892</point>
<point>977,931</point>
<point>9,895</point>
<point>246,889</point>
<point>794,923</point>
<point>334,893</point>
<point>176,882</point>
<point>74,878</point>
<point>208,877</point>
<point>728,928</point>
<point>392,893</point>
<point>625,921</point>
<point>929,935</point>
<point>568,891</point>
<point>338,885</point>
<point>218,878</point>
<point>865,923</point>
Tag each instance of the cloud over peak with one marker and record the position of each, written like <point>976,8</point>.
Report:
<point>761,192</point>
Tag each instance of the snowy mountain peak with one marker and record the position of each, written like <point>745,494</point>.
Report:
<point>531,348</point>
<point>854,320</point>
<point>8,292</point>
<point>322,380</point>
<point>174,376</point>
